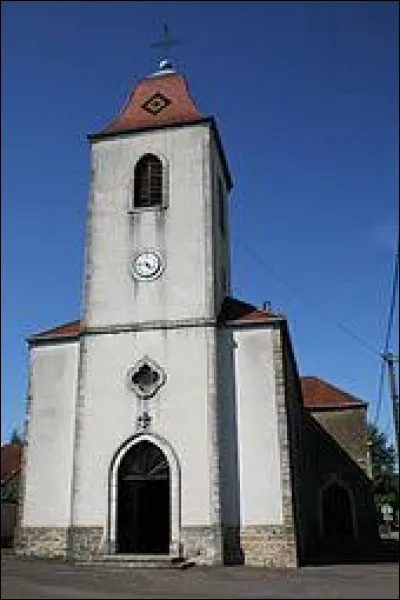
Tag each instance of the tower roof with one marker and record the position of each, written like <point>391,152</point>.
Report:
<point>159,99</point>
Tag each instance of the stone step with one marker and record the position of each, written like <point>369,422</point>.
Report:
<point>139,561</point>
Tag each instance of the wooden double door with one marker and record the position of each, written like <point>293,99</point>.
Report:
<point>143,501</point>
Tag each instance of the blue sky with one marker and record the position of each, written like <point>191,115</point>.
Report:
<point>306,99</point>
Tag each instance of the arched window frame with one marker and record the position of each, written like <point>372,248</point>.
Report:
<point>132,208</point>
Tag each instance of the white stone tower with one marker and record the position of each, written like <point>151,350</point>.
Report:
<point>157,271</point>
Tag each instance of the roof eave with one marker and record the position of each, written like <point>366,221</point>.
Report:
<point>37,339</point>
<point>242,323</point>
<point>325,407</point>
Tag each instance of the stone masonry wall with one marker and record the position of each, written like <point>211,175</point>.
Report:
<point>279,545</point>
<point>268,546</point>
<point>72,543</point>
<point>201,544</point>
<point>86,543</point>
<point>42,542</point>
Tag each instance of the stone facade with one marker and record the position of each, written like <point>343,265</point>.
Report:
<point>42,542</point>
<point>286,400</point>
<point>67,543</point>
<point>260,546</point>
<point>265,545</point>
<point>202,544</point>
<point>86,543</point>
<point>293,403</point>
<point>269,546</point>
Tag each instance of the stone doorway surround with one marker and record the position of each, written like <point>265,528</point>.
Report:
<point>174,485</point>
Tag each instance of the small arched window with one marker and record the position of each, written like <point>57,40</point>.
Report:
<point>148,184</point>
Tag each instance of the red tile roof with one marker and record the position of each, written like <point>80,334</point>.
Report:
<point>231,310</point>
<point>10,460</point>
<point>71,328</point>
<point>318,393</point>
<point>236,310</point>
<point>179,107</point>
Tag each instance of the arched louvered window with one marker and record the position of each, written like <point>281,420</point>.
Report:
<point>148,186</point>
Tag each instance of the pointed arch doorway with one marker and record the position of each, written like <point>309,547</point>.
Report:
<point>338,525</point>
<point>143,501</point>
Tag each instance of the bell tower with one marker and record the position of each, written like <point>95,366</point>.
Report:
<point>156,274</point>
<point>158,240</point>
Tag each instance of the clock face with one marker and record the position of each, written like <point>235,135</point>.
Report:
<point>147,265</point>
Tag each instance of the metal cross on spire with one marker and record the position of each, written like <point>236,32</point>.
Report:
<point>165,42</point>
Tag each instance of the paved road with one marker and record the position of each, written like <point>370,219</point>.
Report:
<point>41,579</point>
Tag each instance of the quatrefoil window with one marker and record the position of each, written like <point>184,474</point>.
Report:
<point>146,377</point>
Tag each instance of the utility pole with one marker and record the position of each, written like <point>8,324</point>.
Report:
<point>389,358</point>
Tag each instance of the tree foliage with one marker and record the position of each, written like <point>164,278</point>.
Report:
<point>10,489</point>
<point>383,461</point>
<point>15,437</point>
<point>11,483</point>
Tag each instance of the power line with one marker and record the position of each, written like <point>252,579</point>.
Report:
<point>380,392</point>
<point>392,300</point>
<point>389,328</point>
<point>292,288</point>
<point>394,396</point>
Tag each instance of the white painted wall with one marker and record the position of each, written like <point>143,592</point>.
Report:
<point>260,471</point>
<point>182,231</point>
<point>50,435</point>
<point>110,410</point>
<point>221,237</point>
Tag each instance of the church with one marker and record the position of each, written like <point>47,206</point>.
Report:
<point>167,422</point>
